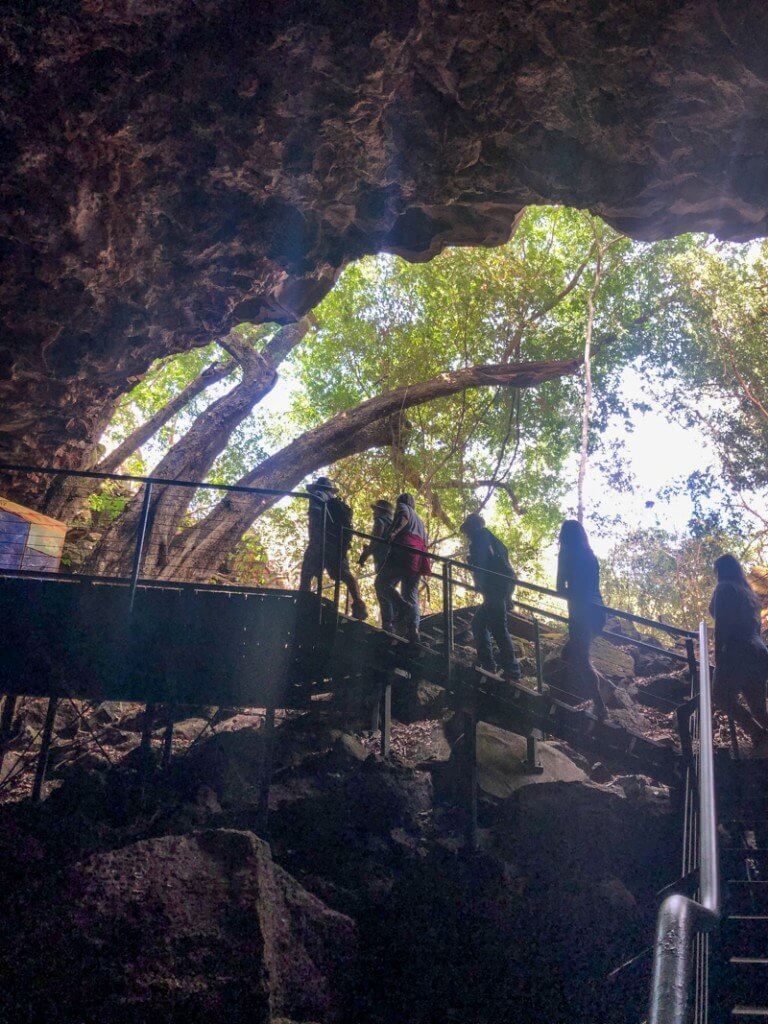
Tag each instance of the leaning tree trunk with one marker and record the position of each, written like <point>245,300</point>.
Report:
<point>65,497</point>
<point>192,456</point>
<point>198,552</point>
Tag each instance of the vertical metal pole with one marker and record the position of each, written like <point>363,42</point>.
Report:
<point>447,619</point>
<point>386,715</point>
<point>167,740</point>
<point>537,652</point>
<point>45,749</point>
<point>731,732</point>
<point>337,581</point>
<point>692,666</point>
<point>471,745</point>
<point>262,812</point>
<point>6,724</point>
<point>140,535</point>
<point>145,746</point>
<point>321,568</point>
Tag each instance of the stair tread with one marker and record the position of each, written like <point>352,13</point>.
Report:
<point>749,960</point>
<point>750,1011</point>
<point>747,917</point>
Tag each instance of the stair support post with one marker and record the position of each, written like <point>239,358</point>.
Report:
<point>45,750</point>
<point>385,714</point>
<point>448,618</point>
<point>6,724</point>
<point>265,782</point>
<point>471,754</point>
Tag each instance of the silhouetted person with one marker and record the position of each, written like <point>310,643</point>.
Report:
<point>327,506</point>
<point>578,579</point>
<point>741,657</point>
<point>402,566</point>
<point>383,516</point>
<point>495,578</point>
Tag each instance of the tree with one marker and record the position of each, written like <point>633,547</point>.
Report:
<point>455,343</point>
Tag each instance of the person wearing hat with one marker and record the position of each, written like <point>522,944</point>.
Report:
<point>405,562</point>
<point>495,579</point>
<point>326,507</point>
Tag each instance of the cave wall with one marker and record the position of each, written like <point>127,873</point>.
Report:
<point>168,169</point>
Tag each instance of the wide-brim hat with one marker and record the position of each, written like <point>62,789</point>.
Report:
<point>323,483</point>
<point>384,505</point>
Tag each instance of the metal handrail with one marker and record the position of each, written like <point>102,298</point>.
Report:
<point>536,587</point>
<point>680,918</point>
<point>162,481</point>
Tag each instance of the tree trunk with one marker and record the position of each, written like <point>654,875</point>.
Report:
<point>199,551</point>
<point>66,494</point>
<point>587,406</point>
<point>193,455</point>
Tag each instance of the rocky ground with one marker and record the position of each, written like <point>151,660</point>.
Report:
<point>358,901</point>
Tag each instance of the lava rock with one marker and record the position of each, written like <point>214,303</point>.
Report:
<point>180,928</point>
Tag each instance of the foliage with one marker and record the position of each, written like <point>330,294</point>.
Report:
<point>668,576</point>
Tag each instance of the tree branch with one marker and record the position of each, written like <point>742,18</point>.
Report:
<point>200,549</point>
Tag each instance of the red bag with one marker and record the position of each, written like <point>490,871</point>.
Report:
<point>417,560</point>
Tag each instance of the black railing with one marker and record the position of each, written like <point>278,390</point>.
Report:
<point>140,547</point>
<point>682,930</point>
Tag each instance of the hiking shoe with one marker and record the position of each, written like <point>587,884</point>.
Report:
<point>360,610</point>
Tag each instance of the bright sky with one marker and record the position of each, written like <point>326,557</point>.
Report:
<point>660,452</point>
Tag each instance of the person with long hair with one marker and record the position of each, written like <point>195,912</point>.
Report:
<point>741,657</point>
<point>578,579</point>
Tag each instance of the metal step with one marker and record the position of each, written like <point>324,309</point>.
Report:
<point>748,981</point>
<point>749,1013</point>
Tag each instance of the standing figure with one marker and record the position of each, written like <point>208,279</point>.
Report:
<point>383,514</point>
<point>495,578</point>
<point>326,507</point>
<point>741,657</point>
<point>578,579</point>
<point>403,565</point>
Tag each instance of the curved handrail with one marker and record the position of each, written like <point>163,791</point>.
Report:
<point>162,481</point>
<point>680,918</point>
<point>536,587</point>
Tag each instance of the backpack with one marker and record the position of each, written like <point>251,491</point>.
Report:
<point>499,562</point>
<point>339,524</point>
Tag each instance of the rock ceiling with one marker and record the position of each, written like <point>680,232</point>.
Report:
<point>170,168</point>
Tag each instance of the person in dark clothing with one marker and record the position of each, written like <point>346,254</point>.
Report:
<point>326,507</point>
<point>741,657</point>
<point>578,579</point>
<point>495,578</point>
<point>403,566</point>
<point>383,515</point>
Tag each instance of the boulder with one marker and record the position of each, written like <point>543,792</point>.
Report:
<point>588,833</point>
<point>179,928</point>
<point>501,762</point>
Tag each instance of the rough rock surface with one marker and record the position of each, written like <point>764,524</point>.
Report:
<point>169,169</point>
<point>181,928</point>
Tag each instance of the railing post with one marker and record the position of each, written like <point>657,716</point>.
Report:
<point>6,724</point>
<point>471,750</point>
<point>337,581</point>
<point>385,717</point>
<point>140,535</point>
<point>690,653</point>
<point>448,618</point>
<point>321,568</point>
<point>45,749</point>
<point>537,653</point>
<point>265,782</point>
